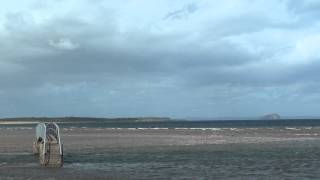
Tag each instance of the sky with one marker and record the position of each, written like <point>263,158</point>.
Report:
<point>168,58</point>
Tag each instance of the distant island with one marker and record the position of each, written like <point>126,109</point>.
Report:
<point>273,116</point>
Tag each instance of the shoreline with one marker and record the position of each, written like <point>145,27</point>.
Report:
<point>18,122</point>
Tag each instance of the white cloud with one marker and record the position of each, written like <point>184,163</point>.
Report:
<point>64,44</point>
<point>306,50</point>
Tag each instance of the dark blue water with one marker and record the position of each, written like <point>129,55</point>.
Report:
<point>201,124</point>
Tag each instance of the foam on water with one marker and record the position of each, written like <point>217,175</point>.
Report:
<point>292,128</point>
<point>305,134</point>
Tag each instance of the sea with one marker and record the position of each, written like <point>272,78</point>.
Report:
<point>288,160</point>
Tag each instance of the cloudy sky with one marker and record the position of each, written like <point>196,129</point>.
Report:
<point>177,58</point>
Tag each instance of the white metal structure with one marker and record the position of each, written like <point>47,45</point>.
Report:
<point>48,145</point>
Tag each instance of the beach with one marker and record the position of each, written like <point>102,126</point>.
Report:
<point>83,139</point>
<point>129,153</point>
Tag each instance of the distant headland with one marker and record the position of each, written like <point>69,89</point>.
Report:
<point>34,120</point>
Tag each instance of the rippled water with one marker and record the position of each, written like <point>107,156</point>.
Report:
<point>295,160</point>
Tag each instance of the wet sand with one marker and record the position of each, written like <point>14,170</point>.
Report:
<point>83,139</point>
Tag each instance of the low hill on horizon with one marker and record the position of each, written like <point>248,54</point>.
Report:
<point>85,119</point>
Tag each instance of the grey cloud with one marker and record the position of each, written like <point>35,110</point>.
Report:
<point>304,6</point>
<point>87,62</point>
<point>306,12</point>
<point>163,58</point>
<point>270,75</point>
<point>249,24</point>
<point>244,24</point>
<point>75,66</point>
<point>64,44</point>
<point>183,12</point>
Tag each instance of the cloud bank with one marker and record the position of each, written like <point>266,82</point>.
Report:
<point>166,58</point>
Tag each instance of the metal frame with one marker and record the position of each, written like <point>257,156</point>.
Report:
<point>42,132</point>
